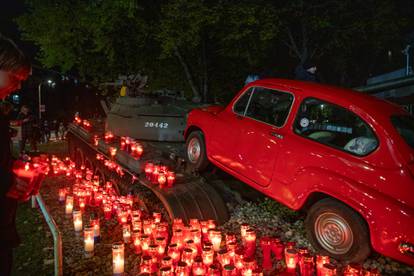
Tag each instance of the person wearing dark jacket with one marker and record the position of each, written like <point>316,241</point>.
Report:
<point>306,72</point>
<point>14,68</point>
<point>27,122</point>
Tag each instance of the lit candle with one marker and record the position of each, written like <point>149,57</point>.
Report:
<point>149,168</point>
<point>208,256</point>
<point>62,195</point>
<point>145,243</point>
<point>214,270</point>
<point>182,269</point>
<point>352,269</point>
<point>77,220</point>
<point>96,229</point>
<point>112,151</point>
<point>118,258</point>
<point>328,269</point>
<point>107,211</point>
<point>320,261</point>
<point>198,268</point>
<point>187,256</point>
<point>146,264</point>
<point>157,217</point>
<point>174,252</point>
<point>88,233</point>
<point>147,226</point>
<point>215,238</point>
<point>170,179</point>
<point>126,233</point>
<point>223,257</point>
<point>69,205</point>
<point>167,261</point>
<point>82,203</point>
<point>243,228</point>
<point>250,243</point>
<point>136,240</point>
<point>162,179</point>
<point>291,259</point>
<point>229,270</point>
<point>166,271</point>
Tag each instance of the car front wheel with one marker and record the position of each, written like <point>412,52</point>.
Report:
<point>196,151</point>
<point>338,231</point>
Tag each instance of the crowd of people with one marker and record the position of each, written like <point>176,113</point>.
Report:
<point>34,131</point>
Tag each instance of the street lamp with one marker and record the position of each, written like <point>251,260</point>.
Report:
<point>50,83</point>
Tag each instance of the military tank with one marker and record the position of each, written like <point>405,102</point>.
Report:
<point>157,116</point>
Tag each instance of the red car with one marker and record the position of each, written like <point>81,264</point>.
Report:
<point>344,157</point>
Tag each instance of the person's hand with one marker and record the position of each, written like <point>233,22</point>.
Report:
<point>19,190</point>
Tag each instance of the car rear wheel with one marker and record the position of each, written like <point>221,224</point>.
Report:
<point>338,231</point>
<point>196,151</point>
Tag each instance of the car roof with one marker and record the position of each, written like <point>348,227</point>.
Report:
<point>342,96</point>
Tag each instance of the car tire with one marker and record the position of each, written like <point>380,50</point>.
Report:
<point>196,151</point>
<point>336,230</point>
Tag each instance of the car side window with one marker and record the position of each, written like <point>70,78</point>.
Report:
<point>269,106</point>
<point>335,126</point>
<point>241,104</point>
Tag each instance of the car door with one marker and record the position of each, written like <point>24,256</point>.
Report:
<point>225,137</point>
<point>262,131</point>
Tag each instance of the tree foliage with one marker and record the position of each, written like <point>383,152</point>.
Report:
<point>207,46</point>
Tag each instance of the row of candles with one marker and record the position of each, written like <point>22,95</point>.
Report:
<point>197,249</point>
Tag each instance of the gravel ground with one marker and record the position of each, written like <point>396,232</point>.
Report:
<point>267,216</point>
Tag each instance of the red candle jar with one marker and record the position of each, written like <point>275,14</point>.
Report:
<point>166,271</point>
<point>213,270</point>
<point>157,217</point>
<point>155,175</point>
<point>243,228</point>
<point>238,259</point>
<point>149,168</point>
<point>136,241</point>
<point>291,259</point>
<point>62,195</point>
<point>223,257</point>
<point>182,269</point>
<point>147,226</point>
<point>352,270</point>
<point>231,238</point>
<point>250,243</point>
<point>145,243</point>
<point>277,248</point>
<point>153,252</point>
<point>198,268</point>
<point>107,211</point>
<point>249,265</point>
<point>229,270</point>
<point>328,269</point>
<point>207,254</point>
<point>178,238</point>
<point>162,179</point>
<point>187,256</point>
<point>265,245</point>
<point>320,261</point>
<point>306,265</point>
<point>174,253</point>
<point>147,265</point>
<point>170,179</point>
<point>167,261</point>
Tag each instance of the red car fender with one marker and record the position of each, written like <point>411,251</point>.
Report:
<point>374,207</point>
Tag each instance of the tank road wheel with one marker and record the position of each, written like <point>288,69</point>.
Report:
<point>196,151</point>
<point>338,231</point>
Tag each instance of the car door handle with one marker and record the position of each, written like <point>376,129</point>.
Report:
<point>275,134</point>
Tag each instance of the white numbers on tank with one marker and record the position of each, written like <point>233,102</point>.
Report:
<point>156,124</point>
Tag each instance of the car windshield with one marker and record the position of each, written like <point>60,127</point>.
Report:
<point>405,127</point>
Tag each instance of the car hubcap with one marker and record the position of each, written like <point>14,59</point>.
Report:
<point>333,233</point>
<point>194,150</point>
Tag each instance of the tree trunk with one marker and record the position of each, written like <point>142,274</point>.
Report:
<point>205,72</point>
<point>196,92</point>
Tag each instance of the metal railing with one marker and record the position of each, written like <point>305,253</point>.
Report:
<point>57,236</point>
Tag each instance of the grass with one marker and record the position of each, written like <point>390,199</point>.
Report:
<point>34,256</point>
